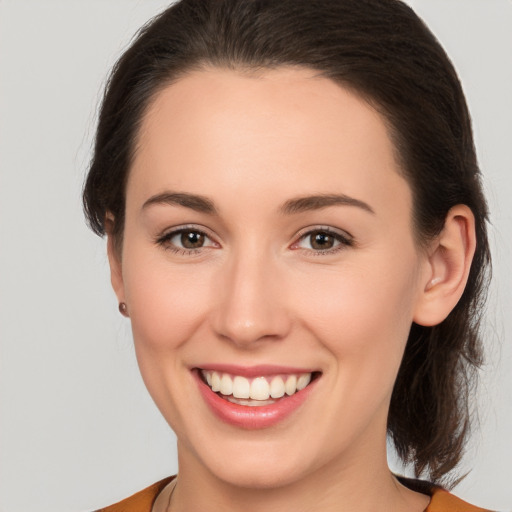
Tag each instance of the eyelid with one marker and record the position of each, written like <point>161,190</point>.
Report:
<point>166,235</point>
<point>328,229</point>
<point>344,237</point>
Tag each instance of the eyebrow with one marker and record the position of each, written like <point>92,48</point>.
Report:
<point>194,202</point>
<point>317,202</point>
<point>301,204</point>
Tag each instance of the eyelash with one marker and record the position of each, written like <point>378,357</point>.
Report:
<point>345,240</point>
<point>165,240</point>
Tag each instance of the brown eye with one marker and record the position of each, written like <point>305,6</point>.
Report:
<point>321,240</point>
<point>186,241</point>
<point>192,239</point>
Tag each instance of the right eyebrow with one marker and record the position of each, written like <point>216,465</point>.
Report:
<point>194,202</point>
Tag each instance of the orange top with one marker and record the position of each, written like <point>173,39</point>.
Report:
<point>442,501</point>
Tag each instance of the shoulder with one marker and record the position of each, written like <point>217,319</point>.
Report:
<point>140,502</point>
<point>443,501</point>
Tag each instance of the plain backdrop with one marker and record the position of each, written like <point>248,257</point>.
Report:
<point>77,427</point>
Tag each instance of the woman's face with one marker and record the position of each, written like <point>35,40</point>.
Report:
<point>269,240</point>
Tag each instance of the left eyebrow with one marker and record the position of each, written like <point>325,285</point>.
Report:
<point>317,202</point>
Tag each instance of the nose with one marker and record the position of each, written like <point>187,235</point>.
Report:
<point>251,304</point>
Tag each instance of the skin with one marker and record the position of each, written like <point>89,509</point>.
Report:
<point>258,292</point>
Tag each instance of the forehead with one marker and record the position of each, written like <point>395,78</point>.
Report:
<point>287,131</point>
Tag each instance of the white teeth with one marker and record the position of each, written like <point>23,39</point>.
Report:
<point>290,385</point>
<point>226,385</point>
<point>215,382</point>
<point>259,389</point>
<point>249,402</point>
<point>303,381</point>
<point>241,387</point>
<point>277,387</point>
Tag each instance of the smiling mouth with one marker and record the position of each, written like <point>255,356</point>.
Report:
<point>257,391</point>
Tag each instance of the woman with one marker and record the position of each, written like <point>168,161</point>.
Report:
<point>296,230</point>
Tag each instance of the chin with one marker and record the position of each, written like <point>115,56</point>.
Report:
<point>260,472</point>
<point>268,461</point>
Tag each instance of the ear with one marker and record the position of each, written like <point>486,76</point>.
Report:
<point>114,260</point>
<point>447,267</point>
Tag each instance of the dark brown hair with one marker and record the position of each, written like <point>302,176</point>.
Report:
<point>382,51</point>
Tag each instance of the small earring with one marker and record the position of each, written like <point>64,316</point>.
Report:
<point>123,309</point>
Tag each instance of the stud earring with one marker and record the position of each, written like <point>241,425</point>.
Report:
<point>123,309</point>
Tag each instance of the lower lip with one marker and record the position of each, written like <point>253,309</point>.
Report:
<point>253,417</point>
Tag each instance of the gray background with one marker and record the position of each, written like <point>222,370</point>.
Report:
<point>77,428</point>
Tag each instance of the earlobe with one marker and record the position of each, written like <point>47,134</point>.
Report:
<point>448,266</point>
<point>114,259</point>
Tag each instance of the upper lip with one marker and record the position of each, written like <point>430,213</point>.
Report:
<point>254,371</point>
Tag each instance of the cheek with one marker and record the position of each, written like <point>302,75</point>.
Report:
<point>166,304</point>
<point>363,313</point>
<point>362,317</point>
